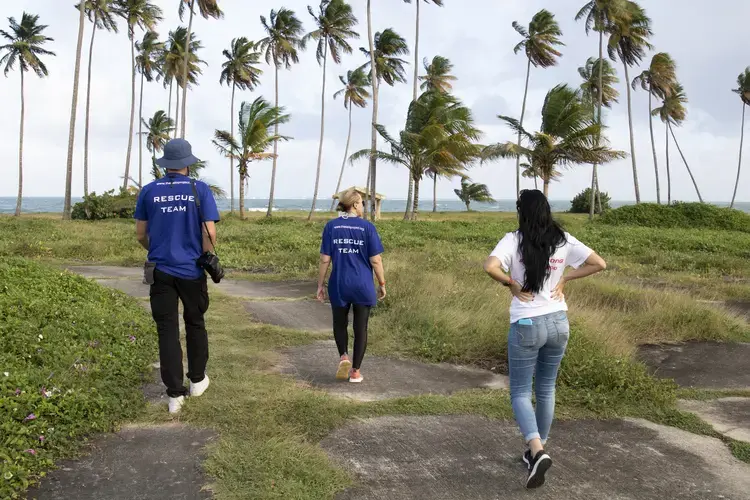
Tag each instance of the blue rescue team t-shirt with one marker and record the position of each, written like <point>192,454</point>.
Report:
<point>174,226</point>
<point>351,242</point>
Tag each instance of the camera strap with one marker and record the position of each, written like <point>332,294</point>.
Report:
<point>201,222</point>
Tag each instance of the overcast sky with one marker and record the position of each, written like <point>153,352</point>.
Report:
<point>709,45</point>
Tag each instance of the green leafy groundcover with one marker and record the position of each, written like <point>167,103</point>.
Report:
<point>72,355</point>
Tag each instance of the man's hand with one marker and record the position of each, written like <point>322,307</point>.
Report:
<point>517,290</point>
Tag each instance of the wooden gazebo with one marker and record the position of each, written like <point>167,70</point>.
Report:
<point>365,194</point>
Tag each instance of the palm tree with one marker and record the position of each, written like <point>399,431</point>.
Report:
<point>239,70</point>
<point>256,121</point>
<point>158,132</point>
<point>173,61</point>
<point>208,8</point>
<point>355,94</point>
<point>599,16</point>
<point>590,95</point>
<point>280,46</point>
<point>439,3</point>
<point>657,80</point>
<point>743,90</point>
<point>568,136</point>
<point>672,111</point>
<point>25,41</point>
<point>438,75</point>
<point>384,55</point>
<point>539,42</point>
<point>629,40</point>
<point>371,171</point>
<point>334,22</point>
<point>439,136</point>
<point>471,191</point>
<point>144,14</point>
<point>101,13</point>
<point>147,63</point>
<point>74,108</point>
<point>530,172</point>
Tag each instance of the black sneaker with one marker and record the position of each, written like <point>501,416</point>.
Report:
<point>527,458</point>
<point>538,467</point>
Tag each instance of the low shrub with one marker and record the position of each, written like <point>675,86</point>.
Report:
<point>106,206</point>
<point>581,204</point>
<point>678,215</point>
<point>72,355</point>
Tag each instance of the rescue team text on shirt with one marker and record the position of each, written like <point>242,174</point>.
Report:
<point>172,199</point>
<point>347,241</point>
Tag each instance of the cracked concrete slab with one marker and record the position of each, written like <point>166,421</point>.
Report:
<point>108,272</point>
<point>137,463</point>
<point>728,416</point>
<point>384,377</point>
<point>306,315</point>
<point>267,290</point>
<point>472,458</point>
<point>707,365</point>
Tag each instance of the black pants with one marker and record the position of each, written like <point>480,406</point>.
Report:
<point>341,331</point>
<point>165,293</point>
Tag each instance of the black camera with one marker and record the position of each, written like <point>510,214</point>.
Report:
<point>210,263</point>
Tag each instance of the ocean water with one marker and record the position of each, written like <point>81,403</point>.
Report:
<point>55,205</point>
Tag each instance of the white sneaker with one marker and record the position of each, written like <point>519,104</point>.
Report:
<point>198,388</point>
<point>175,404</point>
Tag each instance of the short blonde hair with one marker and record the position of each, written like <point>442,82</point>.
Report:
<point>348,199</point>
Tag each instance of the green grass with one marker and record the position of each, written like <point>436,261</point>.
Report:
<point>441,307</point>
<point>71,357</point>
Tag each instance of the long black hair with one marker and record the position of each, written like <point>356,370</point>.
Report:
<point>540,236</point>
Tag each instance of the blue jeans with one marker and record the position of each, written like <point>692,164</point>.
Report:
<point>539,346</point>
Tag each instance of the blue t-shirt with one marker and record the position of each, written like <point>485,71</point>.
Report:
<point>351,242</point>
<point>174,226</point>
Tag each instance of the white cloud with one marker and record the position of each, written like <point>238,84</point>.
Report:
<point>475,34</point>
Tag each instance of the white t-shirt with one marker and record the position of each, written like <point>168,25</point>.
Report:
<point>572,253</point>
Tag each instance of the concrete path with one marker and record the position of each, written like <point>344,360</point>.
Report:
<point>384,377</point>
<point>137,463</point>
<point>706,365</point>
<point>306,315</point>
<point>728,416</point>
<point>471,458</point>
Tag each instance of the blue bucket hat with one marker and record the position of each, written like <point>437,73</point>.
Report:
<point>178,154</point>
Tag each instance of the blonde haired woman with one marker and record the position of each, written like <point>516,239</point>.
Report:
<point>353,246</point>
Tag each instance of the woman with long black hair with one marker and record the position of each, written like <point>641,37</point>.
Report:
<point>530,262</point>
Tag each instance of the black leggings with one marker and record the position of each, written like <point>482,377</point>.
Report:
<point>341,331</point>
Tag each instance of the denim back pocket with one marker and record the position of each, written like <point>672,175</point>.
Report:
<point>527,335</point>
<point>562,325</point>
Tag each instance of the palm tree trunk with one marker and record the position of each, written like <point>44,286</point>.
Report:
<point>375,89</point>
<point>74,108</point>
<point>523,112</point>
<point>20,152</point>
<point>653,147</point>
<point>269,213</point>
<point>132,112</point>
<point>410,191</point>
<point>88,112</point>
<point>322,132</point>
<point>739,165</point>
<point>594,175</point>
<point>599,209</point>
<point>242,196</point>
<point>346,154</point>
<point>468,206</point>
<point>415,209</point>
<point>434,194</point>
<point>169,109</point>
<point>536,186</point>
<point>231,158</point>
<point>140,136</point>
<point>632,138</point>
<point>366,207</point>
<point>669,175</point>
<point>177,111</point>
<point>185,70</point>
<point>700,198</point>
<point>546,188</point>
<point>407,213</point>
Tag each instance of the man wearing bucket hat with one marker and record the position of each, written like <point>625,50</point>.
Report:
<point>175,221</point>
